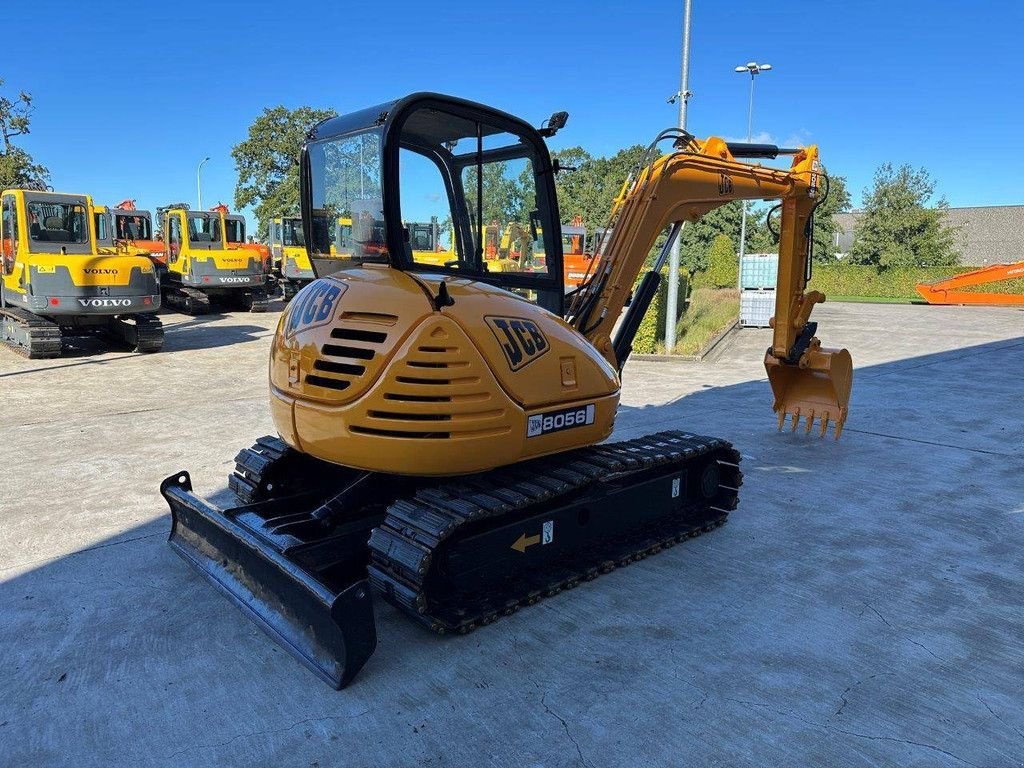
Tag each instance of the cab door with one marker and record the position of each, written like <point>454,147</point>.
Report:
<point>174,240</point>
<point>9,232</point>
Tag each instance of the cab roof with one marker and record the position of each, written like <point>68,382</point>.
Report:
<point>428,131</point>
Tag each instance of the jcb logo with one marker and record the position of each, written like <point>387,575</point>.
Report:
<point>724,184</point>
<point>521,340</point>
<point>313,306</point>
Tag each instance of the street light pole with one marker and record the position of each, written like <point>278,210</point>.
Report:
<point>754,69</point>
<point>683,97</point>
<point>199,182</point>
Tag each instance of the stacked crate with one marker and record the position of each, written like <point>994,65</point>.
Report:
<point>759,272</point>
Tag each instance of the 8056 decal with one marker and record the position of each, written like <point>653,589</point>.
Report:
<point>555,421</point>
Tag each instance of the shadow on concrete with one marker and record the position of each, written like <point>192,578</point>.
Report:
<point>862,606</point>
<point>199,333</point>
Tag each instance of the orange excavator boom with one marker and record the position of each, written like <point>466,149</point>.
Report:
<point>950,290</point>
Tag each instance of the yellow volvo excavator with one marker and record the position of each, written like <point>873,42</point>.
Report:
<point>440,426</point>
<point>55,280</point>
<point>202,265</point>
<point>288,251</point>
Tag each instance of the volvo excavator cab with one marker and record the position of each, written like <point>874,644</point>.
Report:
<point>56,279</point>
<point>128,229</point>
<point>203,267</point>
<point>441,426</point>
<point>288,249</point>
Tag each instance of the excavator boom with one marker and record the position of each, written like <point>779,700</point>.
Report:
<point>949,290</point>
<point>807,380</point>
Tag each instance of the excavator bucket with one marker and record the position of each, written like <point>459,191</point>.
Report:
<point>318,608</point>
<point>819,390</point>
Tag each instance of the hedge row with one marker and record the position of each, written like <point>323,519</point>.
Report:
<point>652,327</point>
<point>838,280</point>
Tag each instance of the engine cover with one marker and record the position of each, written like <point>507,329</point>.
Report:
<point>365,372</point>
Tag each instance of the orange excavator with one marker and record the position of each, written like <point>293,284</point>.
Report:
<point>950,290</point>
<point>130,225</point>
<point>575,258</point>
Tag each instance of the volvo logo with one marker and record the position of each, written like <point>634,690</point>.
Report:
<point>98,271</point>
<point>105,302</point>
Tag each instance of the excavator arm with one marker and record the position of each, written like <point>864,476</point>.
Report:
<point>807,380</point>
<point>950,290</point>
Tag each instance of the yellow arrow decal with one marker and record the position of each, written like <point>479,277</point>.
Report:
<point>525,541</point>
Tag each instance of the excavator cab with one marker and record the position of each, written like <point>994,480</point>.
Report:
<point>57,277</point>
<point>428,157</point>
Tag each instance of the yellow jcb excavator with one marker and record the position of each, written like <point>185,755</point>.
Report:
<point>440,426</point>
<point>55,280</point>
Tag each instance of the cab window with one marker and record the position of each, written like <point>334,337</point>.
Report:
<point>501,199</point>
<point>424,203</point>
<point>57,222</point>
<point>133,227</point>
<point>345,176</point>
<point>174,237</point>
<point>204,229</point>
<point>234,230</point>
<point>8,234</point>
<point>292,234</point>
<point>102,230</point>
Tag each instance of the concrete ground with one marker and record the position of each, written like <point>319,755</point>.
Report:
<point>862,606</point>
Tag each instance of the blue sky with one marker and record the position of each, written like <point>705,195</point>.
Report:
<point>130,96</point>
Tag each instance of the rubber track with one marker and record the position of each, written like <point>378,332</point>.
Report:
<point>191,301</point>
<point>147,330</point>
<point>43,335</point>
<point>271,468</point>
<point>256,301</point>
<point>403,547</point>
<point>255,469</point>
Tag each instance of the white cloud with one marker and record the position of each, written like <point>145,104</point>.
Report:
<point>761,137</point>
<point>800,138</point>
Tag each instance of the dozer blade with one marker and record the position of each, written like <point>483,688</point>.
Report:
<point>818,390</point>
<point>329,628</point>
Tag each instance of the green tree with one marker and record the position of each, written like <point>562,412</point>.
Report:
<point>697,236</point>
<point>897,228</point>
<point>590,190</point>
<point>838,201</point>
<point>17,168</point>
<point>504,198</point>
<point>267,161</point>
<point>722,265</point>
